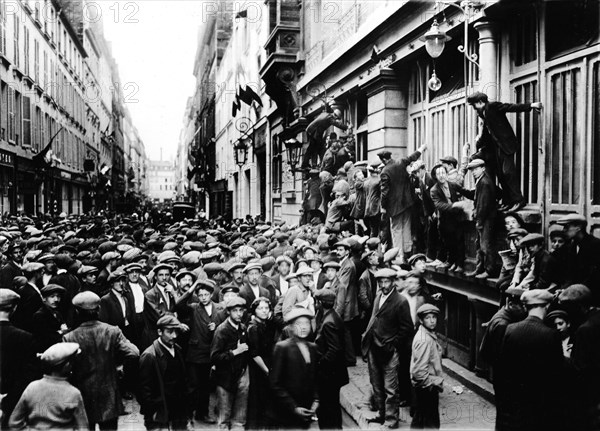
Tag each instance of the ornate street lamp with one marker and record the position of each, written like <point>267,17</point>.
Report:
<point>240,153</point>
<point>435,40</point>
<point>294,152</point>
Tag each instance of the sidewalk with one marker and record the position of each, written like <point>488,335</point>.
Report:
<point>467,410</point>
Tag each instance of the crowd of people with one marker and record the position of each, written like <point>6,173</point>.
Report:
<point>253,324</point>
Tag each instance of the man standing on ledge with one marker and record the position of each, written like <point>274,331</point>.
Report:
<point>396,197</point>
<point>498,144</point>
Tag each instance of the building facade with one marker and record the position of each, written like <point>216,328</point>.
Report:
<point>161,181</point>
<point>56,109</point>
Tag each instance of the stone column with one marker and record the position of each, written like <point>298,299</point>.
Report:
<point>388,116</point>
<point>488,58</point>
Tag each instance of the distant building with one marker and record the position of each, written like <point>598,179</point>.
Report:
<point>161,176</point>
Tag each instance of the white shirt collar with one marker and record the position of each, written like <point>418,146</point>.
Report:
<point>171,350</point>
<point>236,326</point>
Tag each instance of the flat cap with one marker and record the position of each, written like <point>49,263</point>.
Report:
<point>235,302</point>
<point>213,268</point>
<point>86,269</point>
<point>162,266</point>
<point>343,243</point>
<point>384,154</point>
<point>515,292</point>
<point>284,258</point>
<point>123,248</point>
<point>416,257</point>
<point>331,264</point>
<point>576,293</point>
<point>86,300</point>
<point>449,159</point>
<point>291,276</point>
<point>386,273</point>
<point>207,285</point>
<point>45,257</point>
<point>426,309</point>
<point>32,267</point>
<point>191,258</point>
<point>572,219</point>
<point>557,313</point>
<point>132,267</point>
<point>107,246</point>
<point>297,312</point>
<point>251,266</point>
<point>185,272</point>
<point>235,265</point>
<point>168,321</point>
<point>267,262</point>
<point>305,270</point>
<point>391,254</point>
<point>536,297</point>
<point>513,233</point>
<point>51,288</point>
<point>326,295</point>
<point>116,275</point>
<point>63,261</point>
<point>59,353</point>
<point>8,298</point>
<point>557,233</point>
<point>230,288</point>
<point>110,256</point>
<point>530,239</point>
<point>373,243</point>
<point>475,163</point>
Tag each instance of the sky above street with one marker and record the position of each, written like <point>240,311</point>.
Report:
<point>154,43</point>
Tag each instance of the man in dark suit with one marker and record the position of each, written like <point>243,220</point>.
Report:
<point>315,131</point>
<point>31,297</point>
<point>582,255</point>
<point>18,356</point>
<point>251,289</point>
<point>294,374</point>
<point>345,285</point>
<point>389,332</point>
<point>331,371</point>
<point>498,144</point>
<point>163,379</point>
<point>117,306</point>
<point>532,365</point>
<point>372,188</point>
<point>485,211</point>
<point>48,324</point>
<point>229,355</point>
<point>12,268</point>
<point>67,280</point>
<point>204,317</point>
<point>397,197</point>
<point>161,298</point>
<point>319,277</point>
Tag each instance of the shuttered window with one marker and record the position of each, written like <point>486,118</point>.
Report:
<point>26,121</point>
<point>565,137</point>
<point>18,109</point>
<point>527,132</point>
<point>523,38</point>
<point>595,89</point>
<point>3,27</point>
<point>17,32</point>
<point>3,110</point>
<point>11,115</point>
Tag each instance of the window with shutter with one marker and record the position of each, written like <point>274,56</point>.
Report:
<point>26,121</point>
<point>26,50</point>
<point>3,110</point>
<point>11,115</point>
<point>16,46</point>
<point>3,27</point>
<point>18,118</point>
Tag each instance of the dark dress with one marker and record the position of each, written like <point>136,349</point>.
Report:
<point>261,341</point>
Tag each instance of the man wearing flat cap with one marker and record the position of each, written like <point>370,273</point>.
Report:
<point>161,298</point>
<point>103,348</point>
<point>17,368</point>
<point>204,317</point>
<point>294,373</point>
<point>251,289</point>
<point>388,337</point>
<point>542,273</point>
<point>48,323</point>
<point>31,296</point>
<point>331,372</point>
<point>163,379</point>
<point>397,198</point>
<point>583,254</point>
<point>229,355</point>
<point>66,279</point>
<point>512,311</point>
<point>12,268</point>
<point>532,366</point>
<point>484,215</point>
<point>498,144</point>
<point>117,307</point>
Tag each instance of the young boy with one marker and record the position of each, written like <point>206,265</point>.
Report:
<point>52,402</point>
<point>426,370</point>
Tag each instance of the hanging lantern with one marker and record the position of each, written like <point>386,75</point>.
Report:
<point>434,82</point>
<point>294,150</point>
<point>240,153</point>
<point>435,40</point>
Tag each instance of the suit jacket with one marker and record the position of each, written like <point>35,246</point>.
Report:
<point>294,382</point>
<point>45,326</point>
<point>530,353</point>
<point>153,399</point>
<point>484,197</point>
<point>201,337</point>
<point>247,293</point>
<point>584,266</point>
<point>322,122</point>
<point>313,198</point>
<point>8,272</point>
<point>321,280</point>
<point>586,357</point>
<point>345,285</point>
<point>17,368</point>
<point>156,306</point>
<point>103,347</point>
<point>372,187</point>
<point>330,341</point>
<point>111,311</point>
<point>396,194</point>
<point>448,214</point>
<point>390,326</point>
<point>30,302</point>
<point>367,290</point>
<point>328,161</point>
<point>497,129</point>
<point>229,368</point>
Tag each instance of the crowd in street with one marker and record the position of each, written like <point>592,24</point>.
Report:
<point>253,324</point>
